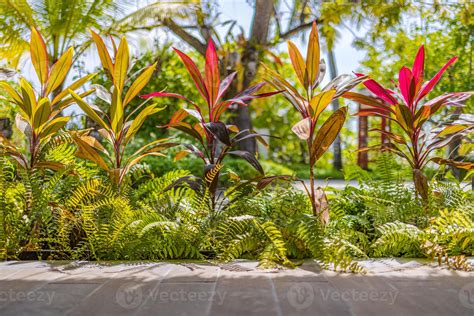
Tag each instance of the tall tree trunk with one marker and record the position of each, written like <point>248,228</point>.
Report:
<point>453,150</point>
<point>6,127</point>
<point>250,61</point>
<point>337,161</point>
<point>363,156</point>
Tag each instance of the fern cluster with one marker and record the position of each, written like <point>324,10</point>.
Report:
<point>384,218</point>
<point>76,212</point>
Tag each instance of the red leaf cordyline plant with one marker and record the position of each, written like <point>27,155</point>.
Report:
<point>311,102</point>
<point>407,108</point>
<point>39,116</point>
<point>117,128</point>
<point>215,138</point>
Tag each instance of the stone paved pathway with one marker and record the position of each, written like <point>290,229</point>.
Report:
<point>391,287</point>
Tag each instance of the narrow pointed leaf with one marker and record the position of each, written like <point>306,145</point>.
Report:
<point>212,78</point>
<point>13,94</point>
<point>75,85</point>
<point>368,100</point>
<point>407,86</point>
<point>88,110</point>
<point>451,129</point>
<point>219,130</point>
<point>39,55</point>
<point>313,55</point>
<point>122,60</point>
<point>140,119</point>
<point>42,113</point>
<point>458,164</point>
<point>328,133</point>
<point>418,67</point>
<point>298,63</point>
<point>194,73</point>
<point>249,158</point>
<point>85,151</point>
<point>103,53</point>
<point>54,125</point>
<point>378,90</point>
<point>59,71</point>
<point>139,84</point>
<point>225,84</point>
<point>430,84</point>
<point>116,111</point>
<point>320,102</point>
<point>29,97</point>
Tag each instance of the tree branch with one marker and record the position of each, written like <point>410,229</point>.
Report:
<point>297,29</point>
<point>185,36</point>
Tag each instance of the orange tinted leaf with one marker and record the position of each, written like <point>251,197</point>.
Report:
<point>116,111</point>
<point>141,117</point>
<point>180,155</point>
<point>53,126</point>
<point>103,53</point>
<point>53,165</point>
<point>42,113</point>
<point>85,151</point>
<point>395,137</point>
<point>367,100</point>
<point>89,111</point>
<point>59,71</point>
<point>139,84</point>
<point>121,63</point>
<point>39,55</point>
<point>451,129</point>
<point>422,115</point>
<point>94,143</point>
<point>76,84</point>
<point>298,63</point>
<point>29,97</point>
<point>320,102</point>
<point>404,117</point>
<point>458,164</point>
<point>313,55</point>
<point>13,94</point>
<point>328,133</point>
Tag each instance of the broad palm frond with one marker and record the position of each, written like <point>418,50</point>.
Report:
<point>16,19</point>
<point>63,23</point>
<point>154,14</point>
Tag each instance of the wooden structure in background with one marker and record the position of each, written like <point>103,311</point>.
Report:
<point>363,137</point>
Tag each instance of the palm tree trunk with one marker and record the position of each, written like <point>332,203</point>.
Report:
<point>250,61</point>
<point>337,161</point>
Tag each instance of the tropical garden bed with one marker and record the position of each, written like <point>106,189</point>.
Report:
<point>86,194</point>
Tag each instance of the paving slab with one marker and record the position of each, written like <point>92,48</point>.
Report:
<point>390,287</point>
